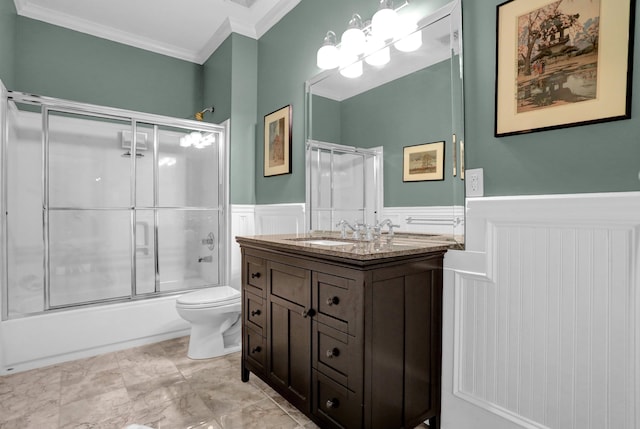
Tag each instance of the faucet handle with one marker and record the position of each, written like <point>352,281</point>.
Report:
<point>391,226</point>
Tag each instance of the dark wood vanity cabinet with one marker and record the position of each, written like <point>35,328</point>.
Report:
<point>350,344</point>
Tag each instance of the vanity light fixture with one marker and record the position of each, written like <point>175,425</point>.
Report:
<point>368,41</point>
<point>376,54</point>
<point>353,70</point>
<point>353,39</point>
<point>409,40</point>
<point>328,56</point>
<point>385,22</point>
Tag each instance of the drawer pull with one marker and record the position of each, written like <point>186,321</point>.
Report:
<point>255,313</point>
<point>308,313</point>
<point>333,403</point>
<point>255,275</point>
<point>257,349</point>
<point>334,352</point>
<point>334,300</point>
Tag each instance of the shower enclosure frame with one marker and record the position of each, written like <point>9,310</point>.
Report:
<point>135,118</point>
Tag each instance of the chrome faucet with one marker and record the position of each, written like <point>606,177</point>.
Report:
<point>386,222</point>
<point>343,224</point>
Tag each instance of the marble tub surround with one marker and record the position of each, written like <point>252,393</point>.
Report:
<point>319,243</point>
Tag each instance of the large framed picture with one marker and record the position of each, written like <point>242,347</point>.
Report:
<point>423,162</point>
<point>562,63</point>
<point>277,142</point>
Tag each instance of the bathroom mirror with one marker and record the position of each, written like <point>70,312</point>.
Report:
<point>404,109</point>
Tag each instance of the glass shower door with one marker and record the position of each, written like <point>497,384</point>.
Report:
<point>189,208</point>
<point>87,209</point>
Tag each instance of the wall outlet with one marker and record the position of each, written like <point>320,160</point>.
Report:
<point>474,182</point>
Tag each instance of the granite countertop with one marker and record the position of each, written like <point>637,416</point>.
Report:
<point>329,244</point>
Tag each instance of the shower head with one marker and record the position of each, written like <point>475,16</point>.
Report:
<point>200,115</point>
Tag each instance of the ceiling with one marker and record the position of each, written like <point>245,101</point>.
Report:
<point>190,30</point>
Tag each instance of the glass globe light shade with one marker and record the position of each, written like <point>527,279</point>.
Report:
<point>353,40</point>
<point>410,39</point>
<point>353,70</point>
<point>384,24</point>
<point>328,57</point>
<point>376,54</point>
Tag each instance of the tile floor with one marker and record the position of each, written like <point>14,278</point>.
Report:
<point>154,385</point>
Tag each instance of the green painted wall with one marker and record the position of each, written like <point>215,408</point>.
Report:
<point>409,111</point>
<point>593,158</point>
<point>230,85</point>
<point>326,122</point>
<point>58,62</point>
<point>243,122</point>
<point>217,82</point>
<point>7,42</point>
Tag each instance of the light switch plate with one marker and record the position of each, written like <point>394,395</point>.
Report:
<point>474,182</point>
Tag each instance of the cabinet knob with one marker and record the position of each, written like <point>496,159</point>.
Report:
<point>334,300</point>
<point>334,352</point>
<point>255,312</point>
<point>308,313</point>
<point>256,349</point>
<point>255,275</point>
<point>333,403</point>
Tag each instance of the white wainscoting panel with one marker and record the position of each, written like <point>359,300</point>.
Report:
<point>242,223</point>
<point>280,219</point>
<point>547,336</point>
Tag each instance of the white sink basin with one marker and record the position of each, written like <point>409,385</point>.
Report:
<point>325,242</point>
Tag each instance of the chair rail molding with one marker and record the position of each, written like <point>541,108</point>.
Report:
<point>543,313</point>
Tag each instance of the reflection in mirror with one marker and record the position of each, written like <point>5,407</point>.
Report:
<point>344,183</point>
<point>414,99</point>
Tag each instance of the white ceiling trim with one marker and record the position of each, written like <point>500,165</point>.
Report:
<point>273,16</point>
<point>199,56</point>
<point>92,28</point>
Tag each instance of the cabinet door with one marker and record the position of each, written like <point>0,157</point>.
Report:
<point>289,348</point>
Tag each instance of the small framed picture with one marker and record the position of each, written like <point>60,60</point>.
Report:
<point>423,162</point>
<point>562,63</point>
<point>277,142</point>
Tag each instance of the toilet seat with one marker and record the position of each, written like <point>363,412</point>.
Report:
<point>209,298</point>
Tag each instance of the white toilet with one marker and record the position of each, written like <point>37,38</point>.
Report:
<point>214,314</point>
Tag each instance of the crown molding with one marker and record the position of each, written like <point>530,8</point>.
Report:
<point>51,16</point>
<point>94,29</point>
<point>273,16</point>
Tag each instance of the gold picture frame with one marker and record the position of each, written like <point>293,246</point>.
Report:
<point>277,142</point>
<point>562,63</point>
<point>423,162</point>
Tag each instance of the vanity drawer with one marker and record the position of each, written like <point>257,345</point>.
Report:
<point>335,404</point>
<point>338,302</point>
<point>338,355</point>
<point>254,313</point>
<point>290,283</point>
<point>254,350</point>
<point>255,275</point>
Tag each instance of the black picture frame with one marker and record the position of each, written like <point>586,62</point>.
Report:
<point>571,70</point>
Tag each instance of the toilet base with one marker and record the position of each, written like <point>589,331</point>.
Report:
<point>205,344</point>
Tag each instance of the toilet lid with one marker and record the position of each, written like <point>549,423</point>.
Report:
<point>220,295</point>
